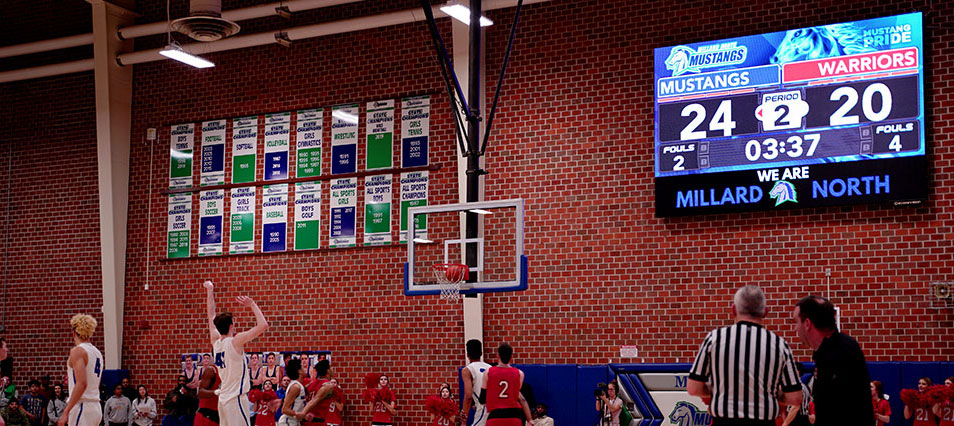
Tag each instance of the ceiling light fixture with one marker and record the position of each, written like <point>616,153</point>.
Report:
<point>462,14</point>
<point>174,51</point>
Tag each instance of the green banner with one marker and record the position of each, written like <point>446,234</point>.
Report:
<point>179,229</point>
<point>181,145</point>
<point>380,134</point>
<point>413,194</point>
<point>308,139</point>
<point>244,146</point>
<point>242,235</point>
<point>377,210</point>
<point>307,215</point>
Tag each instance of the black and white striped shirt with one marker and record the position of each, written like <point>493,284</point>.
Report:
<point>745,364</point>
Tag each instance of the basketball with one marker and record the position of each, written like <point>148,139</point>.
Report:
<point>456,273</point>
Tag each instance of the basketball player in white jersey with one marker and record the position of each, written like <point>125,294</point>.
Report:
<point>84,368</point>
<point>473,376</point>
<point>228,350</point>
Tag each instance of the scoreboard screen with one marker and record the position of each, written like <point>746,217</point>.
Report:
<point>818,116</point>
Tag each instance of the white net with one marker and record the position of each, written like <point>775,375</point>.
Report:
<point>449,277</point>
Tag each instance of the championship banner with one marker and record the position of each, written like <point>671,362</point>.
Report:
<point>244,146</point>
<point>242,235</point>
<point>413,194</point>
<point>277,132</point>
<point>377,210</point>
<point>213,153</point>
<point>180,225</point>
<point>344,139</point>
<point>307,215</point>
<point>274,217</point>
<point>180,155</point>
<point>380,134</point>
<point>344,199</point>
<point>210,222</point>
<point>308,137</point>
<point>415,130</point>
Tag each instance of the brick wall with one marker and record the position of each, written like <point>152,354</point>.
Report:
<point>573,137</point>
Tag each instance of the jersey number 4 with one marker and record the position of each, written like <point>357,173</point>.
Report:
<point>220,359</point>
<point>98,368</point>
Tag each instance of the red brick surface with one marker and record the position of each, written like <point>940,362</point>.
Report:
<point>573,137</point>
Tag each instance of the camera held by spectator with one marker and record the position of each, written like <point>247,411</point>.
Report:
<point>600,390</point>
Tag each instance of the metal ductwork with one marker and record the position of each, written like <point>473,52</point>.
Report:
<point>205,22</point>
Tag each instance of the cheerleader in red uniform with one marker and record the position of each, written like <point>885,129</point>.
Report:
<point>882,410</point>
<point>382,400</point>
<point>921,412</point>
<point>441,407</point>
<point>945,410</point>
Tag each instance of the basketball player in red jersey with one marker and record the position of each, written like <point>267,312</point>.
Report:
<point>208,414</point>
<point>500,391</point>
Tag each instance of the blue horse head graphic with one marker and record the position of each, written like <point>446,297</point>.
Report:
<point>687,414</point>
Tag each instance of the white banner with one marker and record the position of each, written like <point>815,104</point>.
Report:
<point>308,140</point>
<point>415,131</point>
<point>414,194</point>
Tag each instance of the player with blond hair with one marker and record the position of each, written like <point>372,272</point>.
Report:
<point>85,368</point>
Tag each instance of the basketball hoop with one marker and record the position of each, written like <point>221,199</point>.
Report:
<point>450,276</point>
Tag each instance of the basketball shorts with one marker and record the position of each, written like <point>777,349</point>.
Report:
<point>234,412</point>
<point>86,413</point>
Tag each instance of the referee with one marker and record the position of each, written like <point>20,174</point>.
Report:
<point>740,367</point>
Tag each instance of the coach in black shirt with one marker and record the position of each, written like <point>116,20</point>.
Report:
<point>841,392</point>
<point>743,365</point>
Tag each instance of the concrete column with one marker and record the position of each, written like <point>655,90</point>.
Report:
<point>113,120</point>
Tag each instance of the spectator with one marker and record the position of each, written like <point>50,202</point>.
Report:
<point>181,404</point>
<point>206,362</point>
<point>609,405</point>
<point>255,370</point>
<point>8,391</point>
<point>280,392</point>
<point>129,391</point>
<point>189,370</point>
<point>117,412</point>
<point>34,404</point>
<point>6,360</point>
<point>272,371</point>
<point>57,404</point>
<point>842,387</point>
<point>46,387</point>
<point>143,408</point>
<point>14,415</point>
<point>540,417</point>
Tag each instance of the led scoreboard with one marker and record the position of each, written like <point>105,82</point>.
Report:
<point>826,115</point>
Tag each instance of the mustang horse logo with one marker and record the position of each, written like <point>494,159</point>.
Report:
<point>686,414</point>
<point>678,60</point>
<point>783,191</point>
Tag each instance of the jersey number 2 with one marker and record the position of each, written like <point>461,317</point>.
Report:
<point>503,391</point>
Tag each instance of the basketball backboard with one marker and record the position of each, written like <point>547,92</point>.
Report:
<point>497,259</point>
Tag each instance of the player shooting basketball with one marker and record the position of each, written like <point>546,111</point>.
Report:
<point>229,357</point>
